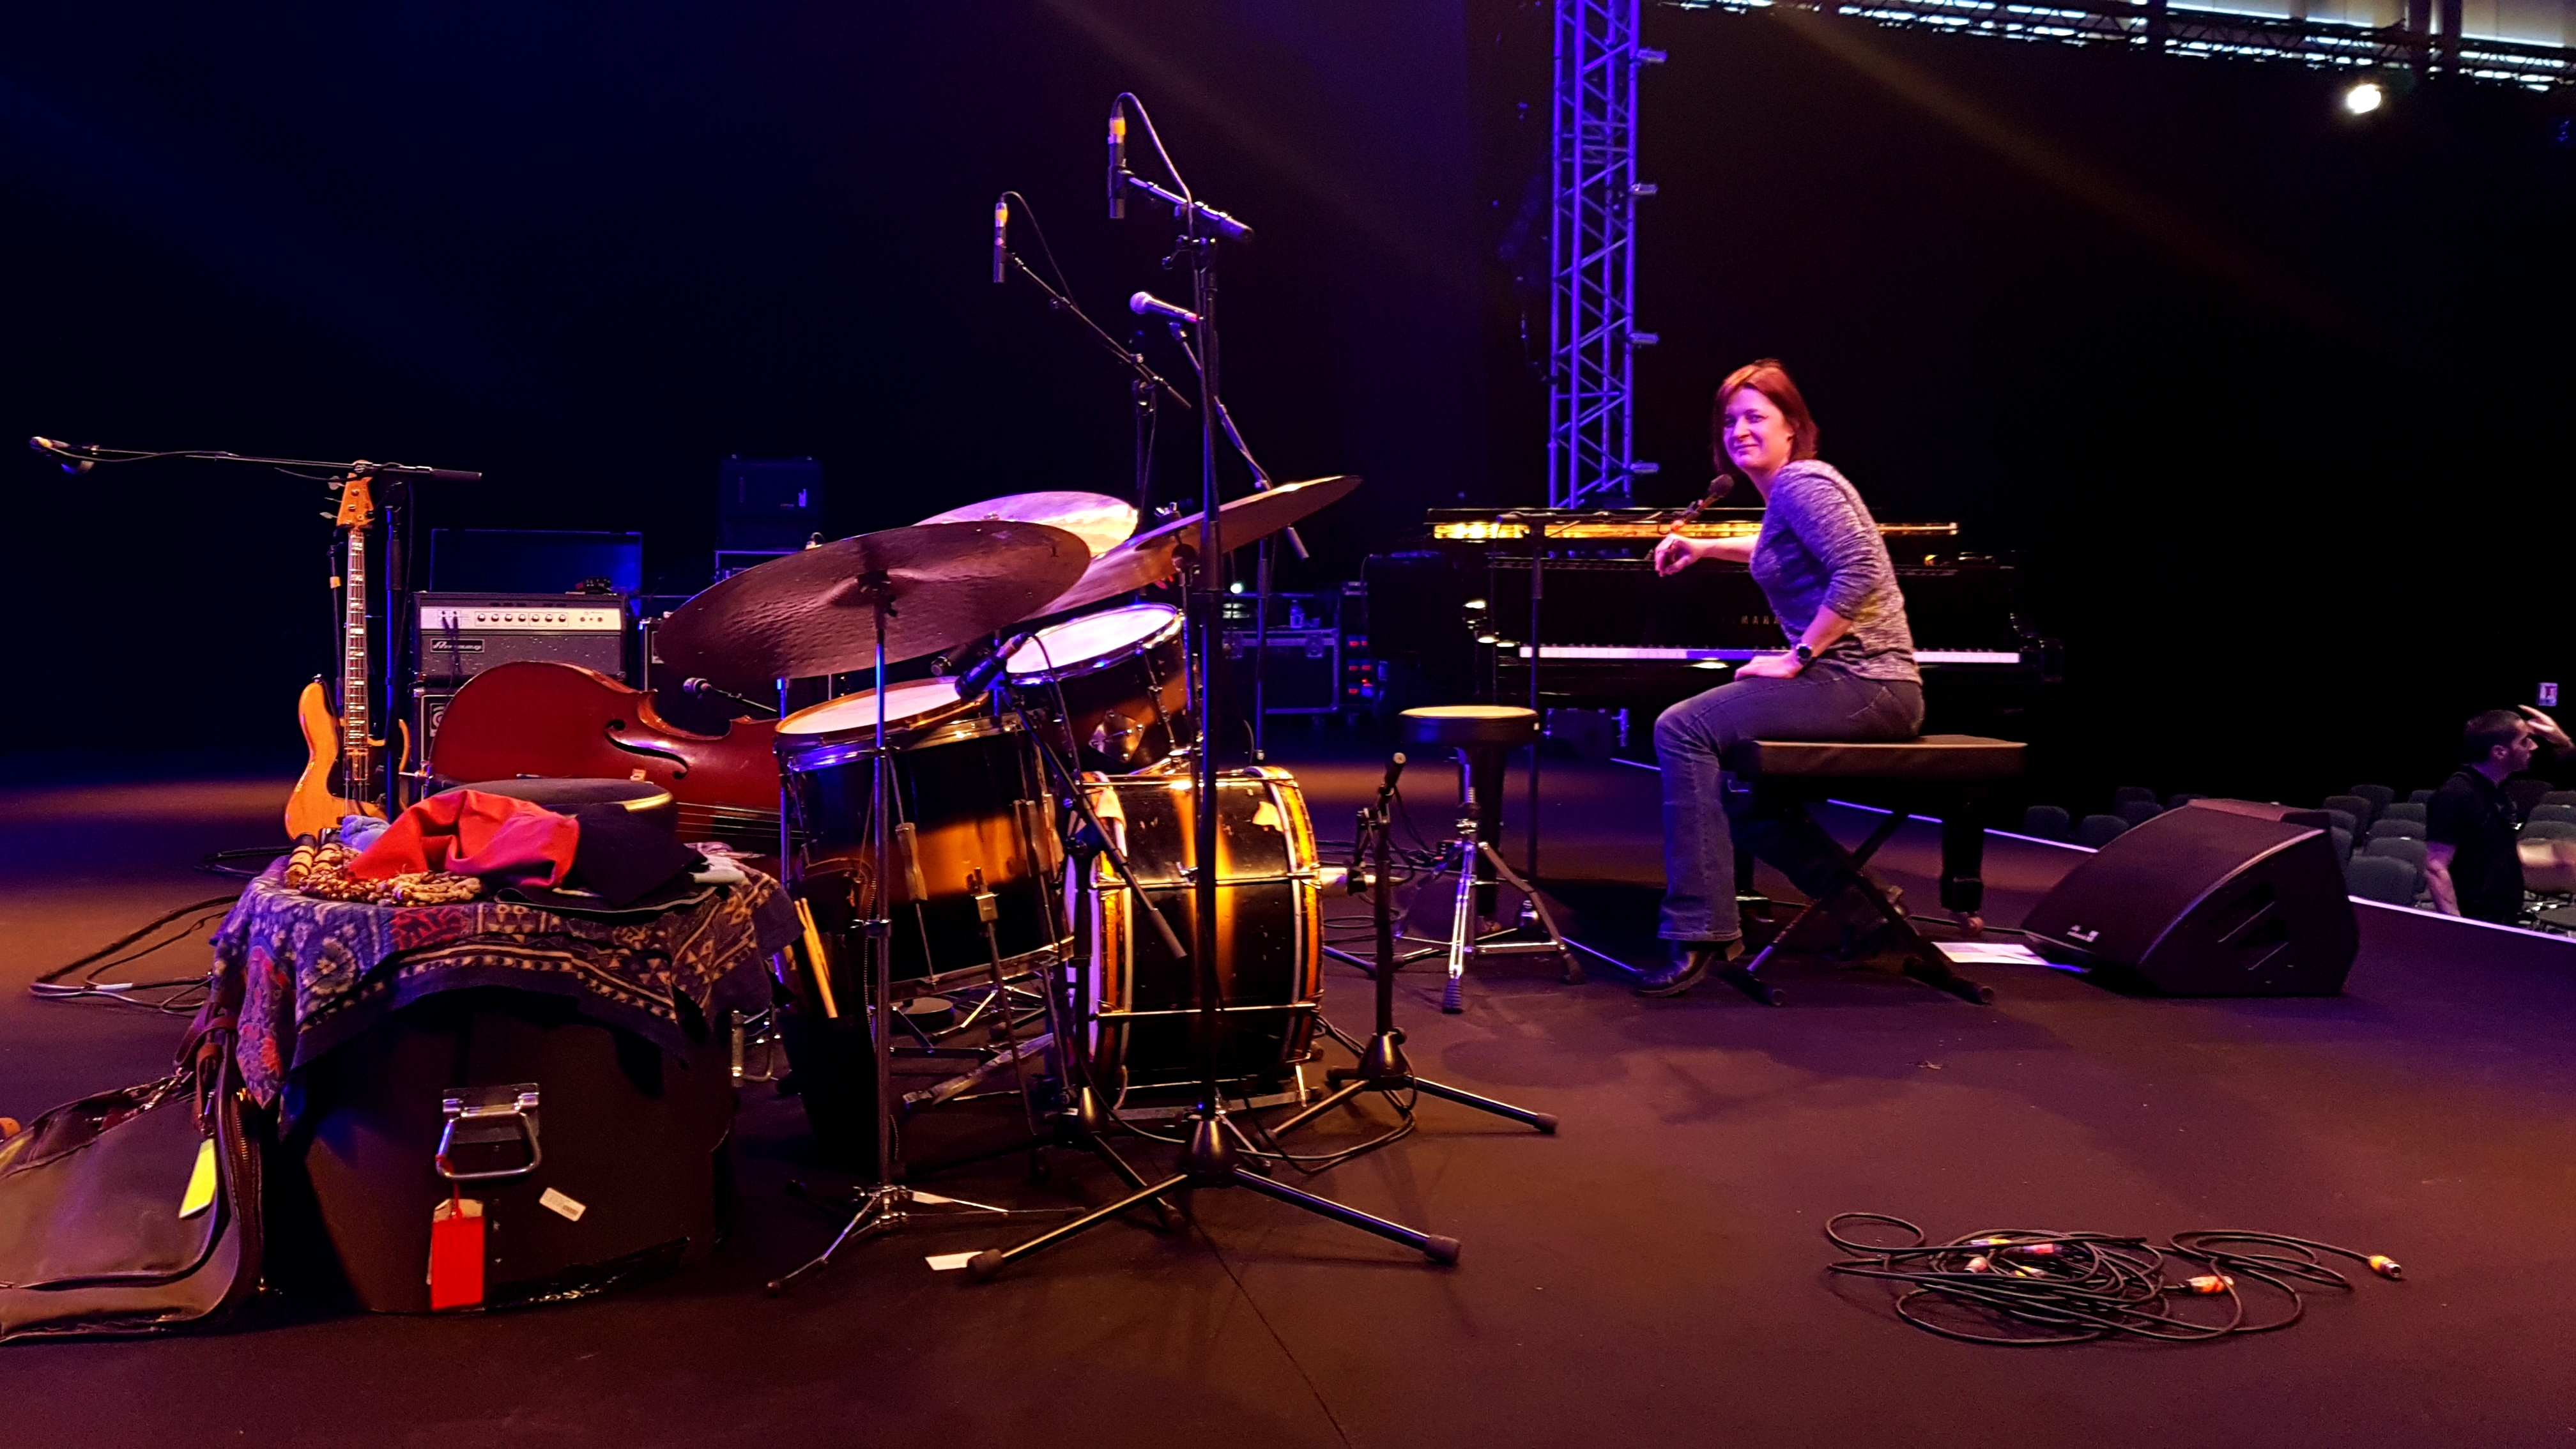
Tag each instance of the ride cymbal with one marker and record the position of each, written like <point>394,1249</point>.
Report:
<point>811,612</point>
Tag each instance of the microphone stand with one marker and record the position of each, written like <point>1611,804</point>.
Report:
<point>1382,1067</point>
<point>1211,1159</point>
<point>395,501</point>
<point>1146,388</point>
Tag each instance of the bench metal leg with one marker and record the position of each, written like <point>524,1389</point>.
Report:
<point>1924,961</point>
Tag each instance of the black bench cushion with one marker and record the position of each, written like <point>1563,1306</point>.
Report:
<point>1929,757</point>
<point>1470,725</point>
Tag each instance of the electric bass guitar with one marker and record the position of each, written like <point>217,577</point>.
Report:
<point>341,758</point>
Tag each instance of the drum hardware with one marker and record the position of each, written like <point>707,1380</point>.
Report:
<point>1465,852</point>
<point>1211,1158</point>
<point>1081,1121</point>
<point>915,567</point>
<point>1382,1066</point>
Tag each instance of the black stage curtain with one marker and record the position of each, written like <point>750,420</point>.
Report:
<point>593,250</point>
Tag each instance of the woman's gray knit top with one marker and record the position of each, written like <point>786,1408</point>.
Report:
<point>1819,548</point>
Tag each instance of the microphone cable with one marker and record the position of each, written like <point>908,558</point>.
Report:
<point>2020,1287</point>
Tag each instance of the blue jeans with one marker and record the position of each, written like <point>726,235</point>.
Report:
<point>1705,821</point>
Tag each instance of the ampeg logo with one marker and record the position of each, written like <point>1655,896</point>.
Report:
<point>2083,935</point>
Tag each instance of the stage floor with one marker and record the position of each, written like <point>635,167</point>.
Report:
<point>1652,1274</point>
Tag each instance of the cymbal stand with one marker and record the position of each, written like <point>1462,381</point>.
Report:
<point>1212,1158</point>
<point>885,1204</point>
<point>1382,1067</point>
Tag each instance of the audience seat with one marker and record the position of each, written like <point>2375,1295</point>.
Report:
<point>2138,812</point>
<point>2398,847</point>
<point>2550,830</point>
<point>2381,878</point>
<point>2100,830</point>
<point>2552,812</point>
<point>2377,795</point>
<point>2418,797</point>
<point>2359,808</point>
<point>2127,793</point>
<point>2048,822</point>
<point>2382,829</point>
<point>2403,810</point>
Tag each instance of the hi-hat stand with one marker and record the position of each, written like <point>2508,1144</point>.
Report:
<point>886,1203</point>
<point>1382,1066</point>
<point>1211,1159</point>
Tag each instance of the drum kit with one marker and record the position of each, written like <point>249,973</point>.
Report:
<point>1022,830</point>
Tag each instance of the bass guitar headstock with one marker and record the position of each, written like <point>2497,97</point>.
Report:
<point>357,504</point>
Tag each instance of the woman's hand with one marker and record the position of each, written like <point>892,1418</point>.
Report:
<point>1677,553</point>
<point>1769,666</point>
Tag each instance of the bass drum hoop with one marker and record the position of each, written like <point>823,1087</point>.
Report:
<point>1163,634</point>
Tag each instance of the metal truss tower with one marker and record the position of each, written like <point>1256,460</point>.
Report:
<point>1592,255</point>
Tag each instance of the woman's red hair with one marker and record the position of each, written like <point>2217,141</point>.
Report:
<point>1767,377</point>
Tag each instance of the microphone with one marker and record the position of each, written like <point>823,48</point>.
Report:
<point>1146,304</point>
<point>58,447</point>
<point>980,676</point>
<point>701,688</point>
<point>1001,235</point>
<point>1117,162</point>
<point>1394,767</point>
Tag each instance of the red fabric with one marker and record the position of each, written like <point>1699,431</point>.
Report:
<point>471,833</point>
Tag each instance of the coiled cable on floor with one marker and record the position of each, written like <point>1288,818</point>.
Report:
<point>2021,1287</point>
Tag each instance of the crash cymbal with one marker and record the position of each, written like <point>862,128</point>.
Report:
<point>1153,556</point>
<point>810,613</point>
<point>1100,521</point>
<point>1140,562</point>
<point>1256,516</point>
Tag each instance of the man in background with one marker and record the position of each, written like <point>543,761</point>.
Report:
<point>2472,867</point>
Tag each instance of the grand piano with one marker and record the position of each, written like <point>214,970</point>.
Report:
<point>1488,595</point>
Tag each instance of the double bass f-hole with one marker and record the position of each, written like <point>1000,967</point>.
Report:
<point>679,764</point>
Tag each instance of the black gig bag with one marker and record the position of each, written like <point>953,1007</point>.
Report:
<point>101,1227</point>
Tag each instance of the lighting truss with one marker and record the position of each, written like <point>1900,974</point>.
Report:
<point>1592,255</point>
<point>2199,30</point>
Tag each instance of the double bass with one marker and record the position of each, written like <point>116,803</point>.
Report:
<point>560,720</point>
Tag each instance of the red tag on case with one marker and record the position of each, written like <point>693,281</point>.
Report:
<point>456,1254</point>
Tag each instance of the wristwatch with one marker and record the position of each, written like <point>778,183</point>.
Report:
<point>1806,656</point>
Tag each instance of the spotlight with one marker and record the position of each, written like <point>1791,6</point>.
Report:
<point>2364,97</point>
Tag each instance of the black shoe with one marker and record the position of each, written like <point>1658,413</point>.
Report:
<point>1691,962</point>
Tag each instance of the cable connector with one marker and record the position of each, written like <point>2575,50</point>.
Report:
<point>2386,1267</point>
<point>2208,1284</point>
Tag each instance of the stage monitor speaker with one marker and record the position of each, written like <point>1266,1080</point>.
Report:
<point>2207,902</point>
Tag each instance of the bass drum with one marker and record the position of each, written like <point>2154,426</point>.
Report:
<point>958,775</point>
<point>1116,682</point>
<point>1270,943</point>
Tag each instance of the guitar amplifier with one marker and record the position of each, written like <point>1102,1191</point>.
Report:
<point>457,636</point>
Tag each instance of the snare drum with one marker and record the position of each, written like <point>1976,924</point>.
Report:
<point>1270,943</point>
<point>1116,681</point>
<point>958,775</point>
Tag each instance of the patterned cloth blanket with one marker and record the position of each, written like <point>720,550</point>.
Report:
<point>301,975</point>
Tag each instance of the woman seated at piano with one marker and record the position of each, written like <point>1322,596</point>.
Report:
<point>1848,674</point>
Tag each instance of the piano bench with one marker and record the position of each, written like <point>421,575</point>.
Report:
<point>1945,777</point>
